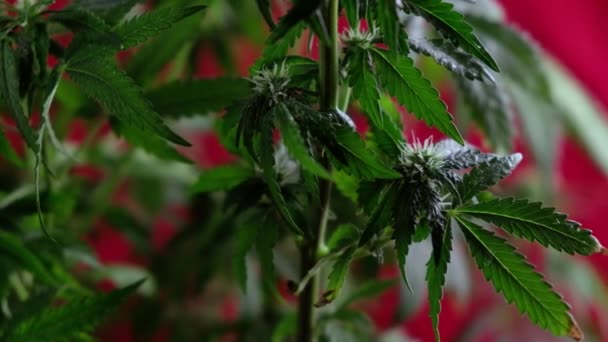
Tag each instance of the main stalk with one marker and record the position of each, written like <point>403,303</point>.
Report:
<point>329,76</point>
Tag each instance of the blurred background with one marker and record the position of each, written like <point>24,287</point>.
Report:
<point>150,228</point>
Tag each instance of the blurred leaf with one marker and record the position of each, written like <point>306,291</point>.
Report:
<point>98,76</point>
<point>9,90</point>
<point>141,28</point>
<point>77,317</point>
<point>222,178</point>
<point>197,97</point>
<point>301,10</point>
<point>7,152</point>
<point>387,20</point>
<point>12,247</point>
<point>337,276</point>
<point>368,290</point>
<point>581,114</point>
<point>152,144</point>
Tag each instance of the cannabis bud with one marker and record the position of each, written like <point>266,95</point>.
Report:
<point>272,83</point>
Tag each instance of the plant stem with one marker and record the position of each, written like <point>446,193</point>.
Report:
<point>329,75</point>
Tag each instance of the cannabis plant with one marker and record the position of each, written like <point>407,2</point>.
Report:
<point>306,179</point>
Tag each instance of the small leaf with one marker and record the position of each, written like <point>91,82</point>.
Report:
<point>369,289</point>
<point>152,144</point>
<point>141,28</point>
<point>9,90</point>
<point>452,25</point>
<point>435,277</point>
<point>383,205</point>
<point>516,279</point>
<point>401,79</point>
<point>187,98</point>
<point>405,213</point>
<point>344,235</point>
<point>486,175</point>
<point>73,319</point>
<point>267,238</point>
<point>337,276</point>
<point>96,73</point>
<point>222,178</point>
<point>298,148</point>
<point>535,223</point>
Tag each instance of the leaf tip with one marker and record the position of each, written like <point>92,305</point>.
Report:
<point>575,331</point>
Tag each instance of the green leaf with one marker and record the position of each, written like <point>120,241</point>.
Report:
<point>486,175</point>
<point>280,48</point>
<point>141,28</point>
<point>7,152</point>
<point>151,57</point>
<point>12,248</point>
<point>222,178</point>
<point>369,289</point>
<point>79,316</point>
<point>111,10</point>
<point>405,212</point>
<point>344,235</point>
<point>85,22</point>
<point>245,239</point>
<point>266,154</point>
<point>452,25</point>
<point>9,89</point>
<point>535,223</point>
<point>382,206</point>
<point>435,277</point>
<point>197,97</point>
<point>490,108</point>
<point>267,238</point>
<point>361,161</point>
<point>96,73</point>
<point>386,133</point>
<point>152,144</point>
<point>452,58</point>
<point>301,11</point>
<point>387,20</point>
<point>264,7</point>
<point>298,148</point>
<point>337,276</point>
<point>579,111</point>
<point>401,79</point>
<point>516,279</point>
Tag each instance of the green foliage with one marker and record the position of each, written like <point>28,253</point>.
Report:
<point>452,26</point>
<point>95,72</point>
<point>141,28</point>
<point>435,277</point>
<point>535,223</point>
<point>76,318</point>
<point>398,75</point>
<point>517,281</point>
<point>197,97</point>
<point>305,180</point>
